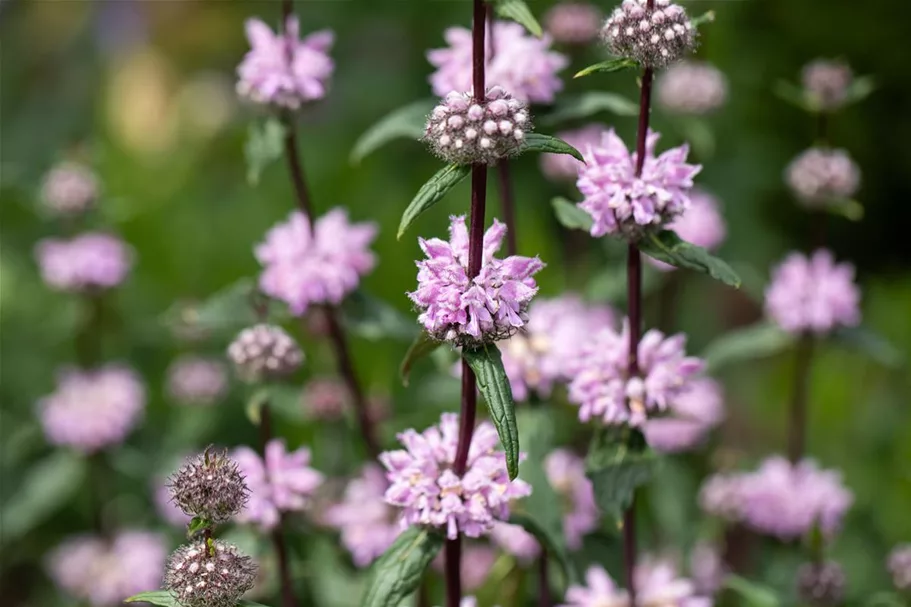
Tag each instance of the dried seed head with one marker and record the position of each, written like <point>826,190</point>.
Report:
<point>654,37</point>
<point>210,486</point>
<point>265,352</point>
<point>216,575</point>
<point>464,132</point>
<point>821,584</point>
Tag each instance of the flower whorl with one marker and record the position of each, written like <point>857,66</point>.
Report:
<point>826,82</point>
<point>209,576</point>
<point>464,132</point>
<point>69,188</point>
<point>820,175</point>
<point>209,486</point>
<point>265,352</point>
<point>655,37</point>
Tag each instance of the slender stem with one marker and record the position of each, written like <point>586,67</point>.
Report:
<point>296,169</point>
<point>423,595</point>
<point>645,104</point>
<point>452,554</point>
<point>797,427</point>
<point>507,205</point>
<point>543,580</point>
<point>629,549</point>
<point>287,10</point>
<point>478,31</point>
<point>466,419</point>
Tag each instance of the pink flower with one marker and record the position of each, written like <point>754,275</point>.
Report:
<point>599,591</point>
<point>195,380</point>
<point>701,224</point>
<point>566,473</point>
<point>813,294</point>
<point>691,87</point>
<point>477,561</point>
<point>520,63</point>
<point>600,385</point>
<point>573,22</point>
<point>487,308</point>
<point>654,33</point>
<point>91,410</point>
<point>826,83</point>
<point>822,176</point>
<point>282,70</point>
<point>563,167</point>
<point>429,492</point>
<point>542,353</point>
<point>69,189</point>
<point>707,568</point>
<point>899,565</point>
<point>325,398</point>
<point>86,262</point>
<point>515,540</point>
<point>301,268</point>
<point>283,482</point>
<point>657,585</point>
<point>368,524</point>
<point>620,202</point>
<point>720,496</point>
<point>691,417</point>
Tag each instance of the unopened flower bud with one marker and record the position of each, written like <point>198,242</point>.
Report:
<point>265,352</point>
<point>655,37</point>
<point>821,584</point>
<point>214,575</point>
<point>826,83</point>
<point>69,189</point>
<point>573,22</point>
<point>209,486</point>
<point>821,175</point>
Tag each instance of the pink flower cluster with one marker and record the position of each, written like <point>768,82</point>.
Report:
<point>86,262</point>
<point>657,582</point>
<point>520,63</point>
<point>691,87</point>
<point>573,22</point>
<point>105,572</point>
<point>283,70</point>
<point>368,524</point>
<point>813,294</point>
<point>515,540</point>
<point>655,33</point>
<point>196,380</point>
<point>820,176</point>
<point>701,224</point>
<point>566,473</point>
<point>280,482</point>
<point>304,268</point>
<point>429,492</point>
<point>69,188</point>
<point>563,167</point>
<point>91,410</point>
<point>899,565</point>
<point>691,416</point>
<point>490,306</point>
<point>780,498</point>
<point>622,203</point>
<point>826,83</point>
<point>600,385</point>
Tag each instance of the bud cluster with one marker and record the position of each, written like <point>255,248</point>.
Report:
<point>821,584</point>
<point>209,486</point>
<point>265,352</point>
<point>826,83</point>
<point>462,131</point>
<point>655,37</point>
<point>209,573</point>
<point>69,189</point>
<point>821,175</point>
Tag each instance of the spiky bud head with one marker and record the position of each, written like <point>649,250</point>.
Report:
<point>263,352</point>
<point>821,584</point>
<point>209,574</point>
<point>209,486</point>
<point>655,37</point>
<point>462,131</point>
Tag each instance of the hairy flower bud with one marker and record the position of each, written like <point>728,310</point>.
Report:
<point>573,22</point>
<point>819,176</point>
<point>209,576</point>
<point>826,82</point>
<point>691,87</point>
<point>210,486</point>
<point>821,584</point>
<point>69,189</point>
<point>265,352</point>
<point>655,37</point>
<point>464,132</point>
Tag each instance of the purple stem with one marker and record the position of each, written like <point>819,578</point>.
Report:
<point>797,427</point>
<point>277,535</point>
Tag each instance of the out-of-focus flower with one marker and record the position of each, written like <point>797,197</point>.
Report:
<point>691,87</point>
<point>701,224</point>
<point>105,572</point>
<point>826,82</point>
<point>461,131</point>
<point>599,591</point>
<point>813,294</point>
<point>264,352</point>
<point>573,22</point>
<point>566,473</point>
<point>69,189</point>
<point>821,584</point>
<point>520,63</point>
<point>303,268</point>
<point>600,385</point>
<point>209,485</point>
<point>283,70</point>
<point>280,482</point>
<point>821,176</point>
<point>91,410</point>
<point>720,496</point>
<point>658,584</point>
<point>368,524</point>
<point>424,485</point>
<point>655,37</point>
<point>622,203</point>
<point>543,353</point>
<point>899,565</point>
<point>197,578</point>
<point>706,568</point>
<point>466,311</point>
<point>515,540</point>
<point>476,563</point>
<point>325,398</point>
<point>563,167</point>
<point>692,415</point>
<point>195,380</point>
<point>87,262</point>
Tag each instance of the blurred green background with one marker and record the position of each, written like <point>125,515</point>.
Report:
<point>143,92</point>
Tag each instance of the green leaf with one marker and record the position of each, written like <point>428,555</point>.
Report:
<point>432,192</point>
<point>873,345</point>
<point>698,133</point>
<point>859,89</point>
<point>752,594</point>
<point>373,319</point>
<point>794,95</point>
<point>706,17</point>
<point>230,309</point>
<point>407,122</point>
<point>398,573</point>
<point>885,599</point>
<point>47,486</point>
<point>611,65</point>
<point>551,542</point>
<point>163,598</point>
<point>536,142</point>
<point>589,104</point>
<point>487,365</point>
<point>518,11</point>
<point>618,462</point>
<point>666,246</point>
<point>265,144</point>
<point>746,343</point>
<point>423,345</point>
<point>197,524</point>
<point>847,208</point>
<point>571,216</point>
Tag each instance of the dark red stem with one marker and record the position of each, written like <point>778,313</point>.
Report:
<point>452,555</point>
<point>797,426</point>
<point>543,580</point>
<point>296,169</point>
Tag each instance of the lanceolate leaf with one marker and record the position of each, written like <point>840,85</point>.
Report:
<point>536,142</point>
<point>404,123</point>
<point>487,365</point>
<point>518,11</point>
<point>423,345</point>
<point>397,573</point>
<point>867,342</point>
<point>618,462</point>
<point>706,17</point>
<point>432,192</point>
<point>666,246</point>
<point>589,104</point>
<point>847,208</point>
<point>750,594</point>
<point>746,343</point>
<point>570,215</point>
<point>265,145</point>
<point>611,65</point>
<point>551,542</point>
